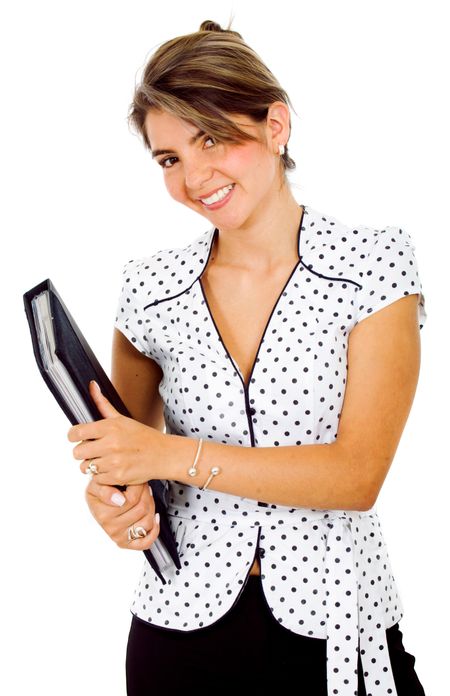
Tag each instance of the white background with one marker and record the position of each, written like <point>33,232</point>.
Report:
<point>80,196</point>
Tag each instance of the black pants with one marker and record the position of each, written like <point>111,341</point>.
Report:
<point>245,648</point>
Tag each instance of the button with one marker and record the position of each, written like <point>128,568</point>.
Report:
<point>262,553</point>
<point>251,411</point>
<point>261,504</point>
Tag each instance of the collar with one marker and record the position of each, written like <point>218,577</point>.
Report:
<point>176,270</point>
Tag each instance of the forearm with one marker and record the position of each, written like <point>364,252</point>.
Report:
<point>311,476</point>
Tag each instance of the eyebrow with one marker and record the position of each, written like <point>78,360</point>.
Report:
<point>192,140</point>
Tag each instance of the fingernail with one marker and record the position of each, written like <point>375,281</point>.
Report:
<point>118,499</point>
<point>96,385</point>
<point>150,489</point>
<point>157,518</point>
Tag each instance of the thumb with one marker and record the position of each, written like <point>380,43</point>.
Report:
<point>104,406</point>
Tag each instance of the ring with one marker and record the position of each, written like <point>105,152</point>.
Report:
<point>91,468</point>
<point>136,533</point>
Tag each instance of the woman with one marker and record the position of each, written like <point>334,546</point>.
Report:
<point>244,344</point>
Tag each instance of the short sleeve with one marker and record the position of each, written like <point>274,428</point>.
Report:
<point>389,272</point>
<point>129,313</point>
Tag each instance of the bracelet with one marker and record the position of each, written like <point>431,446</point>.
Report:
<point>214,471</point>
<point>192,471</point>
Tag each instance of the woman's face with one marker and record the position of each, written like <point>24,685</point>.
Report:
<point>195,167</point>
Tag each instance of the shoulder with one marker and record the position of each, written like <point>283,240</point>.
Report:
<point>338,250</point>
<point>169,271</point>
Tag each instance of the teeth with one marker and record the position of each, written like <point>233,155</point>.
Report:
<point>218,195</point>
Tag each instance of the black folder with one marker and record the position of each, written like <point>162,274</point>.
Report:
<point>72,362</point>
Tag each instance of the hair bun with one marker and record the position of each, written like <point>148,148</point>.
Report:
<point>208,25</point>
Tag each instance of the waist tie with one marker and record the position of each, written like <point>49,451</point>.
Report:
<point>349,629</point>
<point>377,670</point>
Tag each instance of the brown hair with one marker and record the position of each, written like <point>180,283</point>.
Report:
<point>205,76</point>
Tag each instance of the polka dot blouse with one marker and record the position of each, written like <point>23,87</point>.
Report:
<point>325,573</point>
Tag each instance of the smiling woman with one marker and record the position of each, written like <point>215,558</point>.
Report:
<point>283,399</point>
<point>215,143</point>
<point>205,174</point>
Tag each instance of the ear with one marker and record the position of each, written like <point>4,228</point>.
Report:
<point>278,125</point>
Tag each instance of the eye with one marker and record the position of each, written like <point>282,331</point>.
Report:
<point>163,162</point>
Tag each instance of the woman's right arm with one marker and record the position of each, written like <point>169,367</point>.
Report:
<point>136,379</point>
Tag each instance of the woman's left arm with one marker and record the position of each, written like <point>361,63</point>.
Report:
<point>383,370</point>
<point>347,474</point>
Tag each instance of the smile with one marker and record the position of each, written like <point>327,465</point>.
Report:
<point>218,196</point>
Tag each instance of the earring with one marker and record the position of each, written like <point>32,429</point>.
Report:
<point>281,149</point>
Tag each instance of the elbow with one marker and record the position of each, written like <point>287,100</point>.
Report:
<point>361,502</point>
<point>367,504</point>
<point>372,493</point>
<point>362,486</point>
<point>367,495</point>
<point>369,490</point>
<point>376,472</point>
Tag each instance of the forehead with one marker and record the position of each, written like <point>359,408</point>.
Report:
<point>161,124</point>
<point>158,122</point>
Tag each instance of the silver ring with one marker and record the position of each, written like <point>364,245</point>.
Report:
<point>91,468</point>
<point>136,533</point>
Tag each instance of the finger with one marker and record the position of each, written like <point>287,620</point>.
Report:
<point>142,514</point>
<point>86,431</point>
<point>104,471</point>
<point>91,467</point>
<point>90,449</point>
<point>115,518</point>
<point>105,493</point>
<point>152,529</point>
<point>105,407</point>
<point>84,467</point>
<point>97,465</point>
<point>143,510</point>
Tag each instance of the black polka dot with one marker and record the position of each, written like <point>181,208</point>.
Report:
<point>325,573</point>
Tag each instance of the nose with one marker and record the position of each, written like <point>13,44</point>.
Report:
<point>197,172</point>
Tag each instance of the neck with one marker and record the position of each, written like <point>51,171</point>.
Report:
<point>267,240</point>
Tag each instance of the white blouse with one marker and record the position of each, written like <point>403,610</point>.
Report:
<point>325,573</point>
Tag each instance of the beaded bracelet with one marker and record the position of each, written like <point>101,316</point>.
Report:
<point>192,471</point>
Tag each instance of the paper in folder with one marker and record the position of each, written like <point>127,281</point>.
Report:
<point>68,364</point>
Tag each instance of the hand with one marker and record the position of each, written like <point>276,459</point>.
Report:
<point>124,450</point>
<point>138,509</point>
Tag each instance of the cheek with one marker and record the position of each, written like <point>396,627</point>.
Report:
<point>239,162</point>
<point>174,188</point>
<point>247,161</point>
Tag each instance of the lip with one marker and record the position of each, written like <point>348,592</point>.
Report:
<point>219,204</point>
<point>207,195</point>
